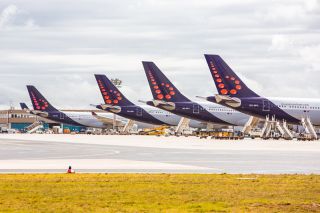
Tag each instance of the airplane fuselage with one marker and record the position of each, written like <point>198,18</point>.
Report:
<point>83,119</point>
<point>206,112</point>
<point>292,110</point>
<point>151,115</point>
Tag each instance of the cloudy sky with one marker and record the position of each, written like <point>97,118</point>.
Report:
<point>57,45</point>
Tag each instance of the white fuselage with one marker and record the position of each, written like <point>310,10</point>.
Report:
<point>226,114</point>
<point>170,118</point>
<point>300,108</point>
<point>88,120</point>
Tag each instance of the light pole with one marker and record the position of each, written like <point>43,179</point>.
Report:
<point>117,83</point>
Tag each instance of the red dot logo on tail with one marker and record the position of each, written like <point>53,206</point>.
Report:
<point>155,87</point>
<point>160,96</point>
<point>111,97</point>
<point>224,91</point>
<point>225,84</point>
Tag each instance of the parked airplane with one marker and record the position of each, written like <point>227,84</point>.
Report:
<point>235,94</point>
<point>117,103</point>
<point>42,108</point>
<point>168,97</point>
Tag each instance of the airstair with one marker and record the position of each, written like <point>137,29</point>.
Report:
<point>251,123</point>
<point>128,126</point>
<point>210,127</point>
<point>279,127</point>
<point>287,131</point>
<point>182,126</point>
<point>266,128</point>
<point>272,127</point>
<point>34,127</point>
<point>307,125</point>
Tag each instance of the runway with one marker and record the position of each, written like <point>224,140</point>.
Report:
<point>148,154</point>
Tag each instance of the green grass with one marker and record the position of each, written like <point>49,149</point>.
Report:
<point>159,193</point>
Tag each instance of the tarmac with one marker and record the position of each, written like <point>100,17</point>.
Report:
<point>49,153</point>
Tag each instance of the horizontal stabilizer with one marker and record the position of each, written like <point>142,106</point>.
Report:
<point>201,97</point>
<point>39,113</point>
<point>164,104</point>
<point>225,99</point>
<point>141,101</point>
<point>105,120</point>
<point>24,106</point>
<point>112,108</point>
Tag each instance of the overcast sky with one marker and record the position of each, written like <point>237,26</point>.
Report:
<point>57,45</point>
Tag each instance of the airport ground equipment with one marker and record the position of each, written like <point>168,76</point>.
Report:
<point>251,123</point>
<point>210,127</point>
<point>128,127</point>
<point>158,131</point>
<point>182,126</point>
<point>307,125</point>
<point>275,129</point>
<point>34,127</point>
<point>220,134</point>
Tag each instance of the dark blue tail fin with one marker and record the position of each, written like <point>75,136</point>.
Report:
<point>110,93</point>
<point>227,82</point>
<point>160,85</point>
<point>38,101</point>
<point>24,106</point>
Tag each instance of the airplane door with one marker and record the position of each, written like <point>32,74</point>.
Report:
<point>62,116</point>
<point>196,109</point>
<point>139,111</point>
<point>266,105</point>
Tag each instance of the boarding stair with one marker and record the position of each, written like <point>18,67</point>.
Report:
<point>307,125</point>
<point>273,126</point>
<point>128,126</point>
<point>279,128</point>
<point>34,127</point>
<point>288,134</point>
<point>251,123</point>
<point>182,126</point>
<point>210,127</point>
<point>266,128</point>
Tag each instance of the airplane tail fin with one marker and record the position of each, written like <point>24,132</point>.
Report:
<point>39,102</point>
<point>110,93</point>
<point>226,81</point>
<point>24,106</point>
<point>161,87</point>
